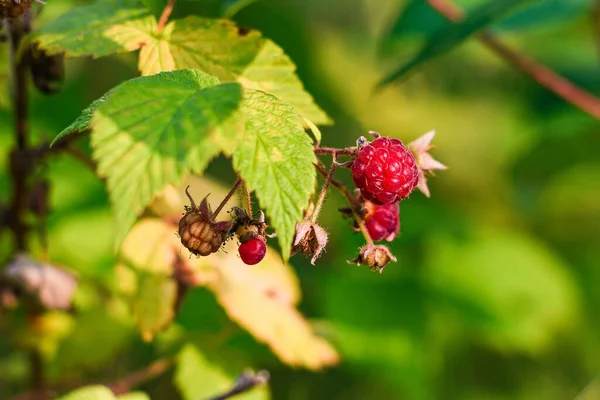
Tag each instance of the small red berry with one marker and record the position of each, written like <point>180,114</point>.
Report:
<point>382,221</point>
<point>385,171</point>
<point>253,251</point>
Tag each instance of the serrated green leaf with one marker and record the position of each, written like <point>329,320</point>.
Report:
<point>220,48</point>
<point>152,129</point>
<point>96,392</point>
<point>106,27</point>
<point>82,123</point>
<point>154,303</point>
<point>275,157</point>
<point>451,36</point>
<point>196,378</point>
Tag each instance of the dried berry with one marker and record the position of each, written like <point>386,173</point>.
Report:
<point>198,231</point>
<point>382,221</point>
<point>253,250</point>
<point>375,257</point>
<point>384,170</point>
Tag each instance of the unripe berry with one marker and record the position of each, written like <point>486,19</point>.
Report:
<point>382,222</point>
<point>385,171</point>
<point>253,251</point>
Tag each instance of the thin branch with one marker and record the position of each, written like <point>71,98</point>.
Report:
<point>324,189</point>
<point>348,151</point>
<point>536,71</point>
<point>247,198</point>
<point>246,381</point>
<point>237,183</point>
<point>164,17</point>
<point>140,377</point>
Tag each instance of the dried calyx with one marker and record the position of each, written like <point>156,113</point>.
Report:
<point>376,257</point>
<point>310,239</point>
<point>245,227</point>
<point>14,8</point>
<point>198,230</point>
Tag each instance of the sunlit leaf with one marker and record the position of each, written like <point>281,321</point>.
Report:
<point>150,130</point>
<point>96,392</point>
<point>154,304</point>
<point>196,378</point>
<point>275,157</point>
<point>105,27</point>
<point>134,396</point>
<point>261,299</point>
<point>231,53</point>
<point>450,36</point>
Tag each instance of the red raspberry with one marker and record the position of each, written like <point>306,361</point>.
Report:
<point>253,251</point>
<point>385,171</point>
<point>383,221</point>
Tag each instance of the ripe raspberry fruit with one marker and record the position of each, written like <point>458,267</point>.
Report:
<point>253,251</point>
<point>198,231</point>
<point>385,171</point>
<point>382,221</point>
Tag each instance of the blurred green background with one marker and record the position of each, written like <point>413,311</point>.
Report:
<point>495,292</point>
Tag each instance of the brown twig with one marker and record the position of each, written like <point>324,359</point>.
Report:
<point>536,71</point>
<point>237,183</point>
<point>164,17</point>
<point>152,371</point>
<point>247,198</point>
<point>324,189</point>
<point>348,151</point>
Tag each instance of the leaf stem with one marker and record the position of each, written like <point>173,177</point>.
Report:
<point>237,183</point>
<point>324,189</point>
<point>541,74</point>
<point>164,17</point>
<point>246,381</point>
<point>247,197</point>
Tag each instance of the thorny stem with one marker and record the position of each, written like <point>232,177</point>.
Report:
<point>324,190</point>
<point>164,17</point>
<point>245,382</point>
<point>538,72</point>
<point>237,183</point>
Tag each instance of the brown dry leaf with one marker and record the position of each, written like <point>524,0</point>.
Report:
<point>261,299</point>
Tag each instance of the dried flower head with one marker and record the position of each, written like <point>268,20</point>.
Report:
<point>375,257</point>
<point>310,239</point>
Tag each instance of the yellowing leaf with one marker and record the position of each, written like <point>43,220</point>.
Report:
<point>152,246</point>
<point>231,53</point>
<point>154,304</point>
<point>261,299</point>
<point>106,27</point>
<point>96,392</point>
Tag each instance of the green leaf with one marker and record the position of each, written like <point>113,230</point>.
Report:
<point>154,304</point>
<point>196,378</point>
<point>95,392</point>
<point>82,123</point>
<point>220,48</point>
<point>451,36</point>
<point>275,157</point>
<point>134,396</point>
<point>106,27</point>
<point>151,130</point>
